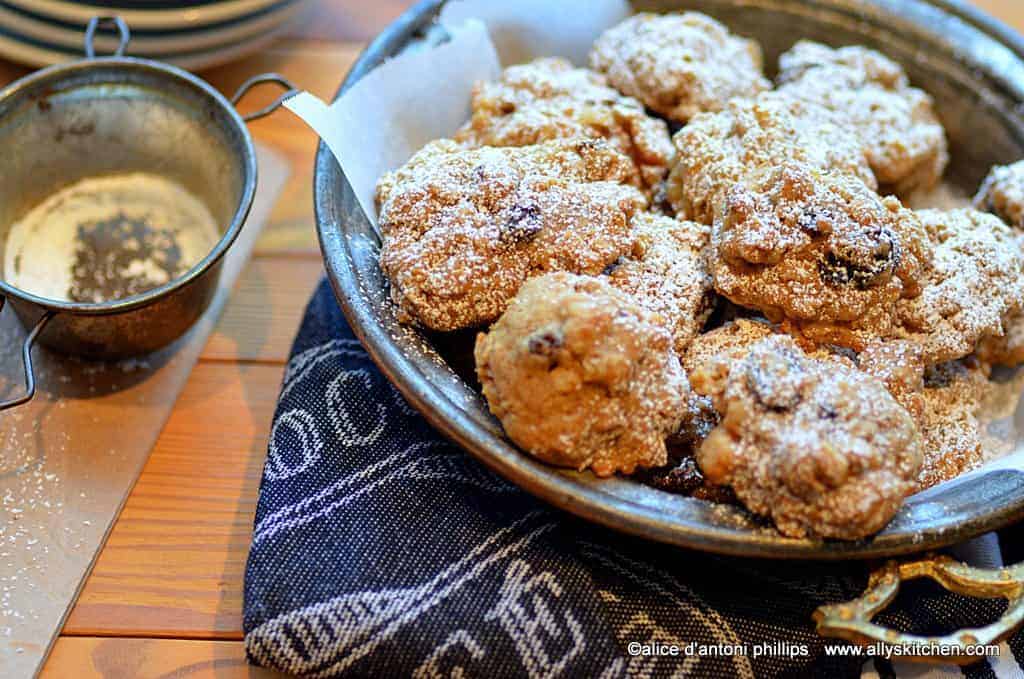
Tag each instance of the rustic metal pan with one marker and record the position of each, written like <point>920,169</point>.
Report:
<point>973,66</point>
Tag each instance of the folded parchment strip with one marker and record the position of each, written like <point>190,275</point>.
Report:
<point>400,106</point>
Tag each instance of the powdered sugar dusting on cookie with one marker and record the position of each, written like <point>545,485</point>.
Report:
<point>463,229</point>
<point>976,277</point>
<point>549,99</point>
<point>666,271</point>
<point>896,124</point>
<point>679,64</point>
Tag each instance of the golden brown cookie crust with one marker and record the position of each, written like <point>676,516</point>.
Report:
<point>582,376</point>
<point>464,228</point>
<point>666,271</point>
<point>816,445</point>
<point>717,150</point>
<point>901,135</point>
<point>549,99</point>
<point>679,64</point>
<point>820,250</point>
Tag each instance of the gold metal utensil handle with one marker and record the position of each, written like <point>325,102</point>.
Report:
<point>851,621</point>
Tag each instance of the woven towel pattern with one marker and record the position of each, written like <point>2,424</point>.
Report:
<point>382,550</point>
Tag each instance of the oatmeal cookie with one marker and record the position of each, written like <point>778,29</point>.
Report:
<point>945,401</point>
<point>1002,194</point>
<point>816,445</point>
<point>1006,349</point>
<point>901,135</point>
<point>549,99</point>
<point>975,280</point>
<point>464,228</point>
<point>679,64</point>
<point>716,150</point>
<point>718,348</point>
<point>582,376</point>
<point>666,271</point>
<point>817,249</point>
<point>954,437</point>
<point>899,366</point>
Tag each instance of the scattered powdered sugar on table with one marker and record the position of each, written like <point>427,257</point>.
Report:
<point>106,238</point>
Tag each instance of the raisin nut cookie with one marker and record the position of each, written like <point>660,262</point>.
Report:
<point>819,250</point>
<point>954,435</point>
<point>901,135</point>
<point>679,64</point>
<point>464,228</point>
<point>582,376</point>
<point>818,446</point>
<point>974,282</point>
<point>549,99</point>
<point>717,150</point>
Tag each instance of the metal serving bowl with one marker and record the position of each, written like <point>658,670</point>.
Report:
<point>974,68</point>
<point>115,115</point>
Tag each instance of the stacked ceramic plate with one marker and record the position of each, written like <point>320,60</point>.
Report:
<point>188,33</point>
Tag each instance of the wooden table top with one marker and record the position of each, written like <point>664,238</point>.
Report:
<point>165,597</point>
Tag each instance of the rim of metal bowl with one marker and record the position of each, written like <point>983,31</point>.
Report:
<point>249,168</point>
<point>559,490</point>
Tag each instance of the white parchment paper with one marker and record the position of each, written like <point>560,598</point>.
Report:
<point>424,94</point>
<point>525,30</point>
<point>400,106</point>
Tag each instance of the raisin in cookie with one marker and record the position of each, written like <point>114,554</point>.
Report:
<point>666,271</point>
<point>816,445</point>
<point>902,137</point>
<point>549,99</point>
<point>679,64</point>
<point>717,150</point>
<point>819,250</point>
<point>463,228</point>
<point>582,376</point>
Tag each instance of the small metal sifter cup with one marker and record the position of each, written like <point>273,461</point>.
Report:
<point>106,116</point>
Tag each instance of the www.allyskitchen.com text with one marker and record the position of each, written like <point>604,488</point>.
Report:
<point>787,649</point>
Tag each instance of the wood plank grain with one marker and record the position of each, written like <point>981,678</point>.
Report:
<point>317,67</point>
<point>263,314</point>
<point>174,563</point>
<point>119,658</point>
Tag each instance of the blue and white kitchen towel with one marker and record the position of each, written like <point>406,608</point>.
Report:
<point>380,549</point>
